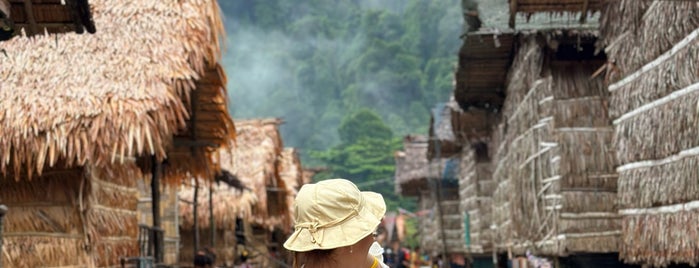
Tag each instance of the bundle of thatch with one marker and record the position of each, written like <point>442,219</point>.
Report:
<point>254,161</point>
<point>554,155</point>
<point>654,46</point>
<point>475,193</point>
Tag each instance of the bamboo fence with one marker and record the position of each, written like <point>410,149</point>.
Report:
<point>654,46</point>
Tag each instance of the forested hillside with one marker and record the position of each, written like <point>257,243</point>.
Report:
<point>348,77</point>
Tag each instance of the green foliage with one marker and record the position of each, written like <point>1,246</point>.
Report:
<point>348,77</point>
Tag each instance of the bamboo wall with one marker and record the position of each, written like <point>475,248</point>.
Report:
<point>475,195</point>
<point>554,168</point>
<point>654,86</point>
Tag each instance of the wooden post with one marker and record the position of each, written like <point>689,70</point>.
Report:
<point>3,211</point>
<point>513,13</point>
<point>212,224</point>
<point>195,204</point>
<point>5,8</point>
<point>33,28</point>
<point>155,205</point>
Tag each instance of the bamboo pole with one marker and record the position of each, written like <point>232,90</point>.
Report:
<point>3,211</point>
<point>155,205</point>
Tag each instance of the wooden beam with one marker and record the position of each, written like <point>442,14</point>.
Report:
<point>29,10</point>
<point>585,8</point>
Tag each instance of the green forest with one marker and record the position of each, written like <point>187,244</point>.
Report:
<point>349,78</point>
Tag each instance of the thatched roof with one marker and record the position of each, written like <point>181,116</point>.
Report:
<point>229,204</point>
<point>412,167</point>
<point>254,161</point>
<point>483,62</point>
<point>53,16</point>
<point>109,96</point>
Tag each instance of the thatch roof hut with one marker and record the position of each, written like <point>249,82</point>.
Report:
<point>254,161</point>
<point>555,152</point>
<point>653,47</point>
<point>31,17</point>
<point>86,110</point>
<point>413,170</point>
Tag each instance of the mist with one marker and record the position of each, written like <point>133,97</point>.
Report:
<point>310,65</point>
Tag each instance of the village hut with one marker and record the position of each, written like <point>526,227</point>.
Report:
<point>653,51</point>
<point>32,17</point>
<point>253,161</point>
<point>72,154</point>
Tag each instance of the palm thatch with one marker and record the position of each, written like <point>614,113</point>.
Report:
<point>54,16</point>
<point>112,95</point>
<point>554,156</point>
<point>655,80</point>
<point>413,170</point>
<point>253,160</point>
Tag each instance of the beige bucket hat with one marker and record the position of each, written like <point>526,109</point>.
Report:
<point>333,213</point>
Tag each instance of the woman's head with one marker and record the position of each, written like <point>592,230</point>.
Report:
<point>334,214</point>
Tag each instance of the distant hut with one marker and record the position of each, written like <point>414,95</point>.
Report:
<point>418,177</point>
<point>232,204</point>
<point>32,17</point>
<point>74,154</point>
<point>653,51</point>
<point>254,161</point>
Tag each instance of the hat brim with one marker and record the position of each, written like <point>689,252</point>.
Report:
<point>347,233</point>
